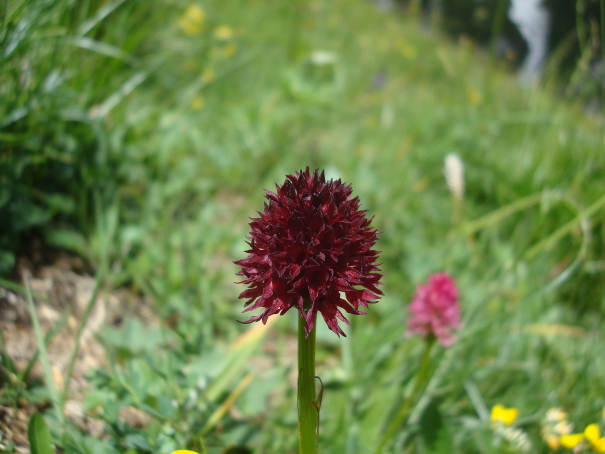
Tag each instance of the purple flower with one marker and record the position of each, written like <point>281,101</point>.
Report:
<point>311,244</point>
<point>435,309</point>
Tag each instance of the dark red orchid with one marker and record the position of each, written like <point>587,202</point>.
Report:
<point>311,245</point>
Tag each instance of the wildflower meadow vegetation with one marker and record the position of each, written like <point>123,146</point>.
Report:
<point>444,265</point>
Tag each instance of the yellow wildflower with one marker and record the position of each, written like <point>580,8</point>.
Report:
<point>192,21</point>
<point>571,441</point>
<point>408,51</point>
<point>592,432</point>
<point>599,445</point>
<point>223,32</point>
<point>474,96</point>
<point>208,76</point>
<point>196,104</point>
<point>593,435</point>
<point>504,415</point>
<point>184,451</point>
<point>229,50</point>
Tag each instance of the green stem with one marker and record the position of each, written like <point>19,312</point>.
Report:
<point>308,413</point>
<point>421,379</point>
<point>602,7</point>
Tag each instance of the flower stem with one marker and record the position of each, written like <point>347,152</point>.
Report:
<point>421,379</point>
<point>308,413</point>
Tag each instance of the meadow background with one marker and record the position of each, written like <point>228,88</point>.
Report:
<point>136,138</point>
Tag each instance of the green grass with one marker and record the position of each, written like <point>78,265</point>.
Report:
<point>296,86</point>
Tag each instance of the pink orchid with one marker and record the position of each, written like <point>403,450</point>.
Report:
<point>435,309</point>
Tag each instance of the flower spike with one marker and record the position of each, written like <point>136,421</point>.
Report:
<point>435,309</point>
<point>310,245</point>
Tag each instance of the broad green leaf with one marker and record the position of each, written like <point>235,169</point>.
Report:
<point>39,436</point>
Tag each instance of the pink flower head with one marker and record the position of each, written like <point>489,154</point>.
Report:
<point>435,309</point>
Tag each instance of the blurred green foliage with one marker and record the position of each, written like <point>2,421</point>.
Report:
<point>64,65</point>
<point>180,118</point>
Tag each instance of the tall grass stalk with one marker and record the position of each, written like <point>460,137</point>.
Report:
<point>47,340</point>
<point>501,213</point>
<point>568,227</point>
<point>48,374</point>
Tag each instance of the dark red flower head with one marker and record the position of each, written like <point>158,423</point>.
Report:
<point>311,245</point>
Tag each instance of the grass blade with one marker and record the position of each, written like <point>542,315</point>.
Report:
<point>101,14</point>
<point>225,406</point>
<point>48,376</point>
<point>565,229</point>
<point>101,48</point>
<point>47,340</point>
<point>237,357</point>
<point>115,98</point>
<point>497,215</point>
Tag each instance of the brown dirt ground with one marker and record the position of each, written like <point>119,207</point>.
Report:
<point>60,288</point>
